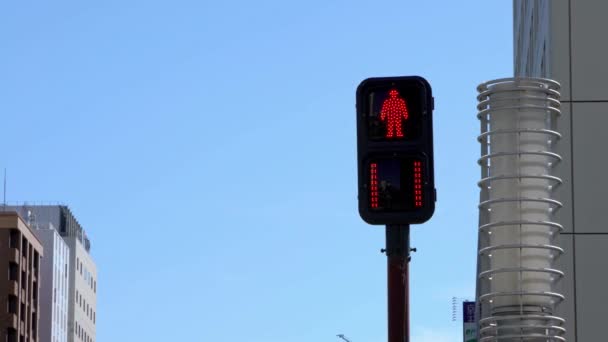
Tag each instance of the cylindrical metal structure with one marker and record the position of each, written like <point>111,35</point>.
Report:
<point>517,250</point>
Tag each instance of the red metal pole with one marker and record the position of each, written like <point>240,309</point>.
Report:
<point>397,252</point>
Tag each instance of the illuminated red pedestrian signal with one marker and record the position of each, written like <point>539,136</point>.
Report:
<point>395,150</point>
<point>393,113</point>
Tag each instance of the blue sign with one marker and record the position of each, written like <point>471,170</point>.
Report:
<point>468,322</point>
<point>468,312</point>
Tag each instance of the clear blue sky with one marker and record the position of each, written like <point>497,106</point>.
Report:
<point>208,148</point>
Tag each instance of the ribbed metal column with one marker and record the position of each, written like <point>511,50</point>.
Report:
<point>517,249</point>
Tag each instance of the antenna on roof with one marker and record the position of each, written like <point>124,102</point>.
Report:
<point>4,206</point>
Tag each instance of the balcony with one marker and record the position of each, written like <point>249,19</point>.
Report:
<point>13,287</point>
<point>13,255</point>
<point>12,321</point>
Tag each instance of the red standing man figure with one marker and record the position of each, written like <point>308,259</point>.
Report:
<point>393,112</point>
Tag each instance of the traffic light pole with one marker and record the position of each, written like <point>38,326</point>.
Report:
<point>398,255</point>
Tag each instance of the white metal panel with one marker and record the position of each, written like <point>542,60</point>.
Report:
<point>589,50</point>
<point>590,164</point>
<point>591,286</point>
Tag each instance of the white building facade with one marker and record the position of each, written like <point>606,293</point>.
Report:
<point>54,287</point>
<point>83,300</point>
<point>565,40</point>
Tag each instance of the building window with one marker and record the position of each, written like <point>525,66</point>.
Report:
<point>13,271</point>
<point>11,335</point>
<point>24,247</point>
<point>30,256</point>
<point>36,261</point>
<point>12,304</point>
<point>29,288</point>
<point>13,239</point>
<point>23,280</point>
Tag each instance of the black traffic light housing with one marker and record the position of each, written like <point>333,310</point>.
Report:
<point>395,150</point>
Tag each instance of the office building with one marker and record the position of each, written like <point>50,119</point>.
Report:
<point>82,271</point>
<point>19,288</point>
<point>565,41</point>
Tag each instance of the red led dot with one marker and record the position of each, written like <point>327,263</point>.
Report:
<point>373,193</point>
<point>417,184</point>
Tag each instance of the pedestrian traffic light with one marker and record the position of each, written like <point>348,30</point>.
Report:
<point>395,150</point>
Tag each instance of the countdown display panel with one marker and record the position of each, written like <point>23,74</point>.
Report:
<point>396,184</point>
<point>394,113</point>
